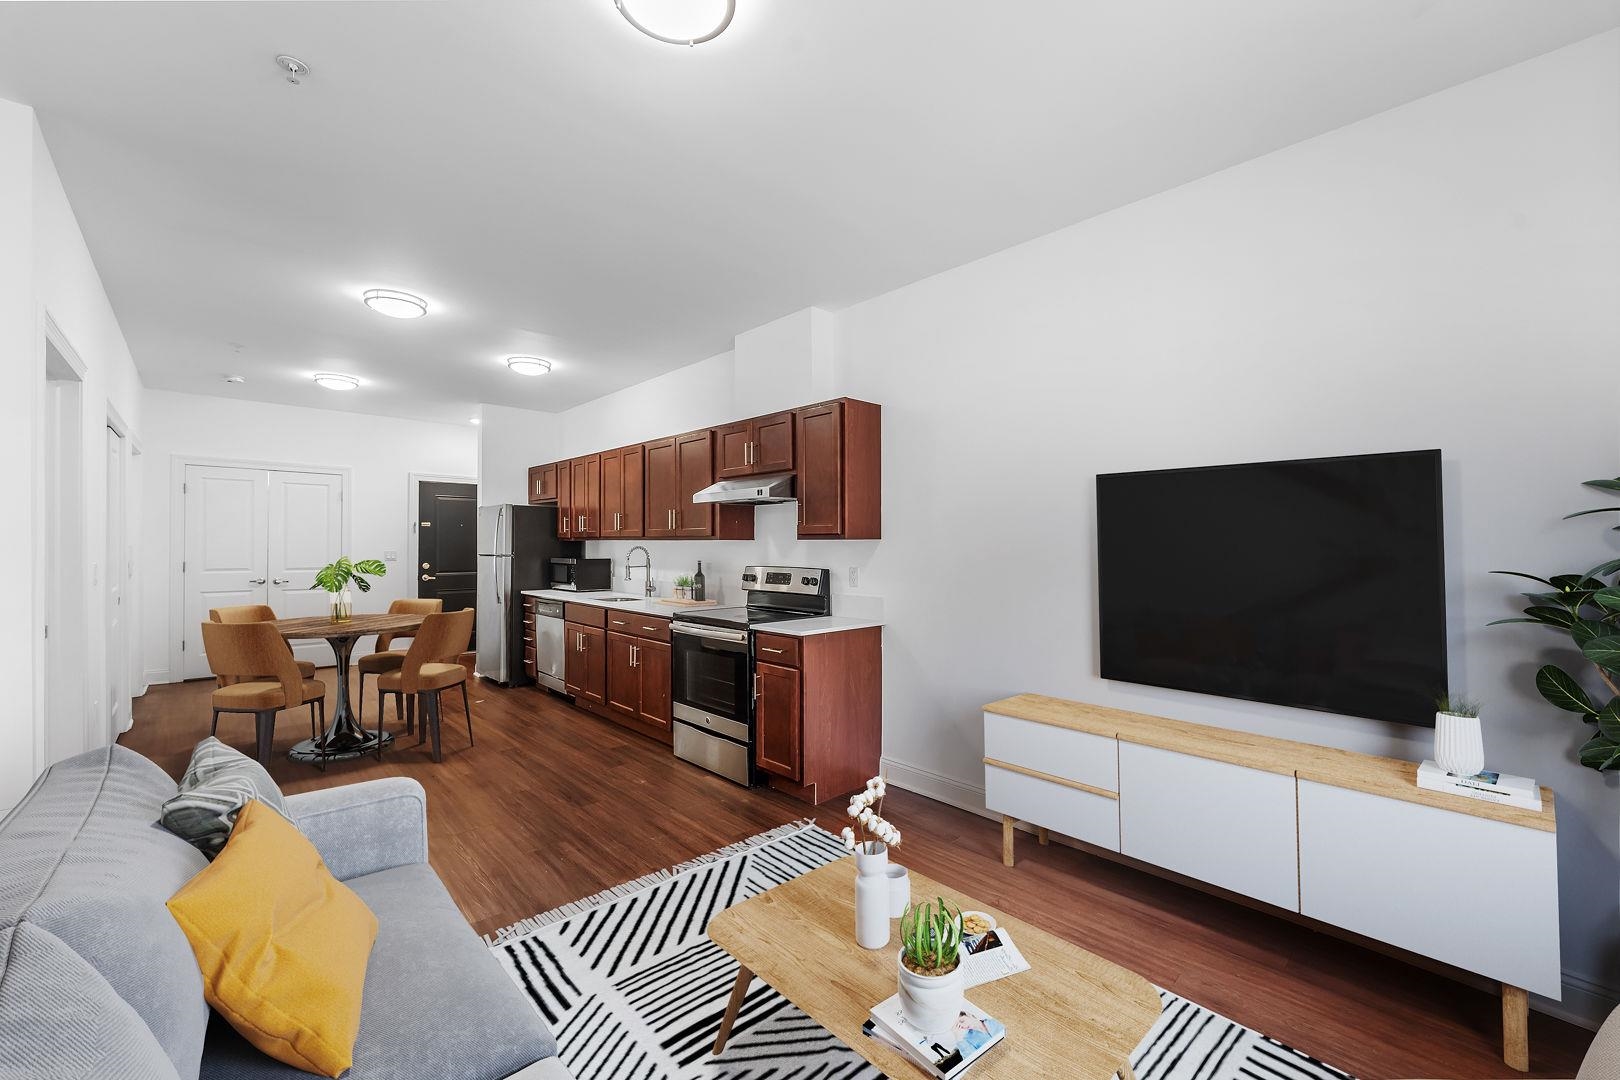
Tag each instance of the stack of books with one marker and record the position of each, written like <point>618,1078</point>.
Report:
<point>1490,786</point>
<point>945,1055</point>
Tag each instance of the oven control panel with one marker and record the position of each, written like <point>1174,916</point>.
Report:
<point>788,579</point>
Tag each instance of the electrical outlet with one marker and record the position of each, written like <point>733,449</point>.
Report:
<point>854,577</point>
<point>390,556</point>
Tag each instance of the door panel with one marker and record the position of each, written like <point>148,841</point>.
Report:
<point>773,444</point>
<point>821,470</point>
<point>777,734</point>
<point>447,543</point>
<point>565,500</point>
<point>661,487</point>
<point>731,454</point>
<point>694,468</point>
<point>630,493</point>
<point>612,492</point>
<point>305,533</point>
<point>653,671</point>
<point>226,550</point>
<point>117,569</point>
<point>623,685</point>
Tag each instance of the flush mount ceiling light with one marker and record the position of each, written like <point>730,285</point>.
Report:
<point>474,420</point>
<point>333,381</point>
<point>678,22</point>
<point>528,365</point>
<point>396,305</point>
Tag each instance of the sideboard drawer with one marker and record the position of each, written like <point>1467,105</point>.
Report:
<point>1070,811</point>
<point>1073,755</point>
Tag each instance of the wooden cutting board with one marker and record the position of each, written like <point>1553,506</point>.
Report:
<point>674,601</point>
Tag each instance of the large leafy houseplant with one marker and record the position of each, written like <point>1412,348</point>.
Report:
<point>1586,608</point>
<point>337,576</point>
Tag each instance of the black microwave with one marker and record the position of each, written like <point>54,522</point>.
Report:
<point>582,575</point>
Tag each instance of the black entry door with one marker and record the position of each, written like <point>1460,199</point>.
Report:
<point>447,544</point>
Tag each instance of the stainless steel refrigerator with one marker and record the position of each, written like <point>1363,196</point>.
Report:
<point>516,544</point>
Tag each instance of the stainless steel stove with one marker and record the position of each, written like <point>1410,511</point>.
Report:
<point>713,679</point>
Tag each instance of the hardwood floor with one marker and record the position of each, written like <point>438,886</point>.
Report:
<point>553,804</point>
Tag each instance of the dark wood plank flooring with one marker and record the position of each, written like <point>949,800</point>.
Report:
<point>553,804</point>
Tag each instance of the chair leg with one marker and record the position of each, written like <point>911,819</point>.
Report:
<point>265,723</point>
<point>312,721</point>
<point>213,729</point>
<point>466,707</point>
<point>412,714</point>
<point>360,703</point>
<point>430,713</point>
<point>399,711</point>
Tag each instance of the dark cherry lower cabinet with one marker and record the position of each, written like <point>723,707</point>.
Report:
<point>585,665</point>
<point>818,720</point>
<point>638,682</point>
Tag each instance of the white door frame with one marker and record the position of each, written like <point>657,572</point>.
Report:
<point>177,532</point>
<point>46,596</point>
<point>413,503</point>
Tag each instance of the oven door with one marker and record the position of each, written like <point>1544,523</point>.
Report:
<point>713,685</point>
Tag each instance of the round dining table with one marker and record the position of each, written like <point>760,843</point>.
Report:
<point>344,737</point>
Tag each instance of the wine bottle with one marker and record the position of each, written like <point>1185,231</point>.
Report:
<point>697,583</point>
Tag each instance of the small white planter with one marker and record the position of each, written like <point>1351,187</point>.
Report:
<point>872,895</point>
<point>1459,745</point>
<point>930,1003</point>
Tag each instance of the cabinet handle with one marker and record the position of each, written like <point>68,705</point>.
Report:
<point>650,629</point>
<point>632,656</point>
<point>764,648</point>
<point>756,686</point>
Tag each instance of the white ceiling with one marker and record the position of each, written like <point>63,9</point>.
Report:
<point>555,183</point>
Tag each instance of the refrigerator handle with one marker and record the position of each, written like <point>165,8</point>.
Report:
<point>500,535</point>
<point>500,587</point>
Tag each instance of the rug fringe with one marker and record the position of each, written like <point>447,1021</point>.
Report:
<point>535,922</point>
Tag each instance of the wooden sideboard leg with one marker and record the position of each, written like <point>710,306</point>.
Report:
<point>1041,835</point>
<point>1515,1028</point>
<point>1006,840</point>
<point>739,990</point>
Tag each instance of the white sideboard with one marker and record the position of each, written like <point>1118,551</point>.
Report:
<point>1348,840</point>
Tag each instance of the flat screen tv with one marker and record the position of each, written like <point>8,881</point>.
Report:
<point>1317,583</point>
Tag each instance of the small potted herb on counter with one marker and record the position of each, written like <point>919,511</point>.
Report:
<point>683,587</point>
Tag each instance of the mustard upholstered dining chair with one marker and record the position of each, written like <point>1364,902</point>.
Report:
<point>241,613</point>
<point>425,673</point>
<point>386,657</point>
<point>241,655</point>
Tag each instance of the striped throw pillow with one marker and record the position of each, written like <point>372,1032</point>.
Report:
<point>218,783</point>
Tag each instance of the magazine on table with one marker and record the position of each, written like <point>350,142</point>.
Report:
<point>946,1055</point>
<point>990,956</point>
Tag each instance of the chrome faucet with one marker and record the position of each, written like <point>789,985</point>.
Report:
<point>647,566</point>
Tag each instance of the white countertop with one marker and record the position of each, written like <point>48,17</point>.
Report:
<point>830,624</point>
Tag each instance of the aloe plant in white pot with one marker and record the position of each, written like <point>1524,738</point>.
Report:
<point>930,964</point>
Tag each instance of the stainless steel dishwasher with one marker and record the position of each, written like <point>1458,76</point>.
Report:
<point>549,656</point>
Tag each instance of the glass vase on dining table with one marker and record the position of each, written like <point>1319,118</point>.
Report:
<point>342,606</point>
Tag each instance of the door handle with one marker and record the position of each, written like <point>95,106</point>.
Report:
<point>281,581</point>
<point>429,577</point>
<point>256,581</point>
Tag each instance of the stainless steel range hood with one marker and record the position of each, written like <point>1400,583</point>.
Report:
<point>773,488</point>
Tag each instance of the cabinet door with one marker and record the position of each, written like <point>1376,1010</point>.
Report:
<point>542,483</point>
<point>630,498</point>
<point>653,670</point>
<point>733,450</point>
<point>820,484</point>
<point>778,720</point>
<point>772,450</point>
<point>623,683</point>
<point>588,496</point>
<point>612,465</point>
<point>593,685</point>
<point>565,501</point>
<point>662,483</point>
<point>694,467</point>
<point>576,663</point>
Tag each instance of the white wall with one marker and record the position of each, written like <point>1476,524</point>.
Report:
<point>1442,275</point>
<point>47,276</point>
<point>382,453</point>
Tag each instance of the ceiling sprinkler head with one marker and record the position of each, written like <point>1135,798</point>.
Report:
<point>235,379</point>
<point>295,68</point>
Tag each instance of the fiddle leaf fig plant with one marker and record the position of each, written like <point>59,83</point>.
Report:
<point>337,576</point>
<point>1587,609</point>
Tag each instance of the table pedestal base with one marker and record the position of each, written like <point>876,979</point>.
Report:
<point>340,749</point>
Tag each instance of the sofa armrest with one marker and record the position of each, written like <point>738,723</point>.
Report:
<point>549,1069</point>
<point>363,828</point>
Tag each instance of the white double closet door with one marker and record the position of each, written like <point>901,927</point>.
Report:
<point>257,536</point>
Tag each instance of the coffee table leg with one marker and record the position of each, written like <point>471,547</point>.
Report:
<point>1126,1072</point>
<point>739,990</point>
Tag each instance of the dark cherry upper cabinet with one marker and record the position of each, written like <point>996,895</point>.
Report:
<point>587,490</point>
<point>661,488</point>
<point>750,447</point>
<point>694,471</point>
<point>839,483</point>
<point>779,721</point>
<point>566,521</point>
<point>623,505</point>
<point>543,483</point>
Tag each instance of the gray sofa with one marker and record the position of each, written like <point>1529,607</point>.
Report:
<point>96,979</point>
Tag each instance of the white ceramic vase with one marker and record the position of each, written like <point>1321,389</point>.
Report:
<point>930,1003</point>
<point>872,895</point>
<point>1459,746</point>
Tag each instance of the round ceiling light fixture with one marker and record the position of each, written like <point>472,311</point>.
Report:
<point>528,365</point>
<point>333,381</point>
<point>474,420</point>
<point>394,304</point>
<point>678,22</point>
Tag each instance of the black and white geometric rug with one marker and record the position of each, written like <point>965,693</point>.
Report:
<point>634,990</point>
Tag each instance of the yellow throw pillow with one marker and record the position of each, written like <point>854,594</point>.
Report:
<point>282,944</point>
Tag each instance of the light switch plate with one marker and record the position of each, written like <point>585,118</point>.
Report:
<point>390,556</point>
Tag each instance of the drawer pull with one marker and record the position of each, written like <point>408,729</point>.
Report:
<point>766,648</point>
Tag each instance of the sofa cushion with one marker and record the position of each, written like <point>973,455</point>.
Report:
<point>218,782</point>
<point>85,870</point>
<point>436,1003</point>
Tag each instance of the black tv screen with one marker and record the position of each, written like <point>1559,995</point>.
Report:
<point>1317,583</point>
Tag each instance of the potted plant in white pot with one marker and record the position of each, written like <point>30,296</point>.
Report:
<point>1459,745</point>
<point>683,586</point>
<point>930,965</point>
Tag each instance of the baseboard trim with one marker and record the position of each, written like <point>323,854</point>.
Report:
<point>1585,1004</point>
<point>156,676</point>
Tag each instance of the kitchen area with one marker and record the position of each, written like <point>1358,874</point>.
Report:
<point>759,674</point>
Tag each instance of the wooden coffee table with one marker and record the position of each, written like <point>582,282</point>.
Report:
<point>1072,1014</point>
